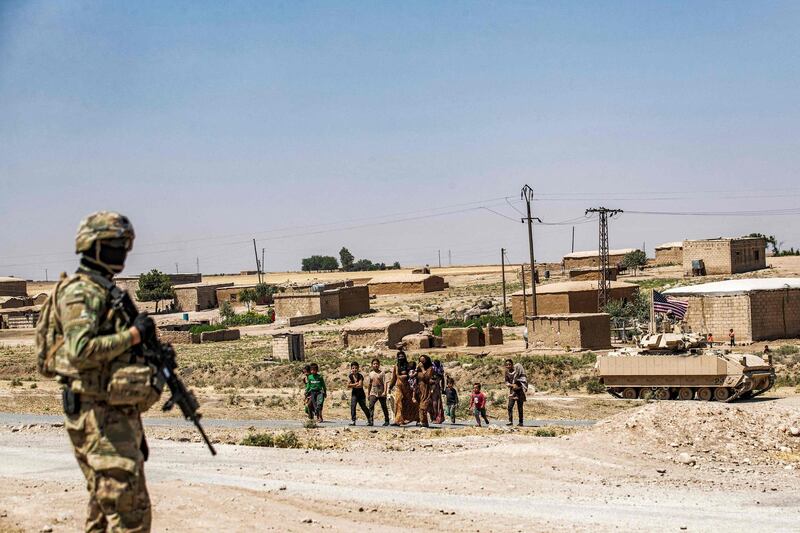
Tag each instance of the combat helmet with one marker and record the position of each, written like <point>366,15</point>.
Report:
<point>104,226</point>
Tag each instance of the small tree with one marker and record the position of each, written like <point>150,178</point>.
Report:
<point>346,258</point>
<point>263,291</point>
<point>247,296</point>
<point>319,262</point>
<point>226,311</point>
<point>396,265</point>
<point>771,240</point>
<point>634,259</point>
<point>154,286</point>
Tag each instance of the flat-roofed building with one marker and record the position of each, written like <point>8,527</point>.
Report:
<point>669,253</point>
<point>567,297</point>
<point>197,296</point>
<point>591,258</point>
<point>756,309</point>
<point>406,284</point>
<point>724,256</point>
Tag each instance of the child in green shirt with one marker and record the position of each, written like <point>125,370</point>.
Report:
<point>316,390</point>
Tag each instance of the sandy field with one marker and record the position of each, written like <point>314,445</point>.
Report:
<point>643,469</point>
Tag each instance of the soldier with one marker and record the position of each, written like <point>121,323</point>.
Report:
<point>106,385</point>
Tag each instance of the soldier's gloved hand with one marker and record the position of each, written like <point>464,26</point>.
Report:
<point>146,327</point>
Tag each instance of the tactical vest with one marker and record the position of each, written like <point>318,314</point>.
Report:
<point>52,353</point>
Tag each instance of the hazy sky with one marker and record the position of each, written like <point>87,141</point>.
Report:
<point>312,125</point>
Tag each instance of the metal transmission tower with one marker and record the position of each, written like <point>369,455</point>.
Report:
<point>604,284</point>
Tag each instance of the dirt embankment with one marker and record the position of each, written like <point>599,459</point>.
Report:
<point>760,432</point>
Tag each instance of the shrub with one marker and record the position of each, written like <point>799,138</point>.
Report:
<point>593,386</point>
<point>478,322</point>
<point>310,424</point>
<point>287,440</point>
<point>787,349</point>
<point>250,318</point>
<point>258,439</point>
<point>202,328</point>
<point>545,432</point>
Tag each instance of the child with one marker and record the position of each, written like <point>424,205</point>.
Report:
<point>306,393</point>
<point>732,336</point>
<point>376,391</point>
<point>451,399</point>
<point>477,403</point>
<point>317,391</point>
<point>357,396</point>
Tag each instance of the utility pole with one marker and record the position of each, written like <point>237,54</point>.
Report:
<point>524,298</point>
<point>262,264</point>
<point>527,195</point>
<point>604,284</point>
<point>503,270</point>
<point>45,275</point>
<point>449,258</point>
<point>198,264</point>
<point>176,268</point>
<point>573,239</point>
<point>258,266</point>
<point>440,258</point>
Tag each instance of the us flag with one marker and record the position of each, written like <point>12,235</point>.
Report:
<point>665,304</point>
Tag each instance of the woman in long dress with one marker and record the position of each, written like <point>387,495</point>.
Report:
<point>405,406</point>
<point>424,387</point>
<point>436,409</point>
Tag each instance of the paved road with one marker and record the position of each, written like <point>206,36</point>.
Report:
<point>18,419</point>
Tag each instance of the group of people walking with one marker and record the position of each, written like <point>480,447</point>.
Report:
<point>418,392</point>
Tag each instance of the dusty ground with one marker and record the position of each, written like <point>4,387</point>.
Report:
<point>626,473</point>
<point>665,465</point>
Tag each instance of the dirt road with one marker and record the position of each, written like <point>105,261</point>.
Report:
<point>582,482</point>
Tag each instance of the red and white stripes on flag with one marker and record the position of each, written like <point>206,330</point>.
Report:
<point>666,304</point>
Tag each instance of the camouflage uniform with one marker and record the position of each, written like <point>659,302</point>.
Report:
<point>107,440</point>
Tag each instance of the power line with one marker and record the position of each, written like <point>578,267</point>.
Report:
<point>754,213</point>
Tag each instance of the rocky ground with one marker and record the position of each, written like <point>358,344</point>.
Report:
<point>627,472</point>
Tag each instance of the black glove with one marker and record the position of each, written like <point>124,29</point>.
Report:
<point>146,327</point>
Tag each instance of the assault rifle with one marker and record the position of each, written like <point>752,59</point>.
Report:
<point>162,357</point>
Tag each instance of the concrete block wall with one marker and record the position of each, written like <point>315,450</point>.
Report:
<point>716,255</point>
<point>297,304</point>
<point>463,337</point>
<point>220,335</point>
<point>748,255</point>
<point>669,256</point>
<point>583,274</point>
<point>546,304</point>
<point>566,302</point>
<point>353,300</point>
<point>585,332</point>
<point>775,314</point>
<point>178,337</point>
<point>198,297</point>
<point>493,335</point>
<point>13,287</point>
<point>717,314</point>
<point>282,347</point>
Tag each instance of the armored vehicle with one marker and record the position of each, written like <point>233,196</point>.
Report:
<point>678,366</point>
